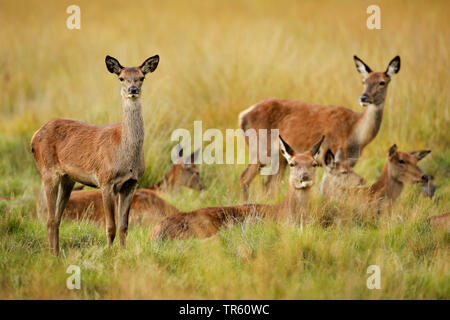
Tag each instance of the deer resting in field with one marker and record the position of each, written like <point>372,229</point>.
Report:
<point>146,207</point>
<point>109,157</point>
<point>302,123</point>
<point>401,168</point>
<point>203,223</point>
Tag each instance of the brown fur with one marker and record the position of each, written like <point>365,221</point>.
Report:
<point>441,222</point>
<point>206,222</point>
<point>401,168</point>
<point>302,123</point>
<point>110,157</point>
<point>146,207</point>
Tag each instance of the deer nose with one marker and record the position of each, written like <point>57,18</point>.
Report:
<point>364,98</point>
<point>304,177</point>
<point>133,90</point>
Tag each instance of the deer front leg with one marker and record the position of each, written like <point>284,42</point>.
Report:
<point>125,198</point>
<point>51,193</point>
<point>108,196</point>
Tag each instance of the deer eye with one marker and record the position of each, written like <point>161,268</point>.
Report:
<point>141,79</point>
<point>291,164</point>
<point>402,161</point>
<point>315,164</point>
<point>121,79</point>
<point>382,83</point>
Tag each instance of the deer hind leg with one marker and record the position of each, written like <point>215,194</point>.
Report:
<point>65,188</point>
<point>108,196</point>
<point>125,198</point>
<point>246,178</point>
<point>273,181</point>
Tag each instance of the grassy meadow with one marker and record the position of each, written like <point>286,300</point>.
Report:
<point>217,59</point>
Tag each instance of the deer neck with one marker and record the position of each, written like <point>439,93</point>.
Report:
<point>296,203</point>
<point>368,125</point>
<point>387,187</point>
<point>166,184</point>
<point>132,138</point>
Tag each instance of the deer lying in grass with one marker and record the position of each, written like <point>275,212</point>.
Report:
<point>441,222</point>
<point>109,157</point>
<point>146,207</point>
<point>206,222</point>
<point>400,169</point>
<point>302,123</point>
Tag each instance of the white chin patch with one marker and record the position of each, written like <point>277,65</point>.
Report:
<point>364,104</point>
<point>132,96</point>
<point>303,184</point>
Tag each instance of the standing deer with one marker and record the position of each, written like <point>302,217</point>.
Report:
<point>146,207</point>
<point>401,168</point>
<point>302,123</point>
<point>206,222</point>
<point>109,157</point>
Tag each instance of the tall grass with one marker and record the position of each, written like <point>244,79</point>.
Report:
<point>218,58</point>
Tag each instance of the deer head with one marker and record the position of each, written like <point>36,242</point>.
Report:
<point>403,167</point>
<point>375,83</point>
<point>339,173</point>
<point>131,78</point>
<point>186,173</point>
<point>302,165</point>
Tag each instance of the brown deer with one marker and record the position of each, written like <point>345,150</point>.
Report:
<point>109,157</point>
<point>146,207</point>
<point>441,221</point>
<point>400,169</point>
<point>206,222</point>
<point>302,123</point>
<point>338,176</point>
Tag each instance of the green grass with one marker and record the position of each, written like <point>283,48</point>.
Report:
<point>217,59</point>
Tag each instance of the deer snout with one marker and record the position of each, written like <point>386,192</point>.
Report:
<point>364,99</point>
<point>304,176</point>
<point>133,90</point>
<point>426,178</point>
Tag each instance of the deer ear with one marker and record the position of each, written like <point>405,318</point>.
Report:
<point>393,67</point>
<point>419,155</point>
<point>362,68</point>
<point>194,155</point>
<point>392,150</point>
<point>285,149</point>
<point>339,158</point>
<point>113,65</point>
<point>179,150</point>
<point>316,148</point>
<point>329,159</point>
<point>150,64</point>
